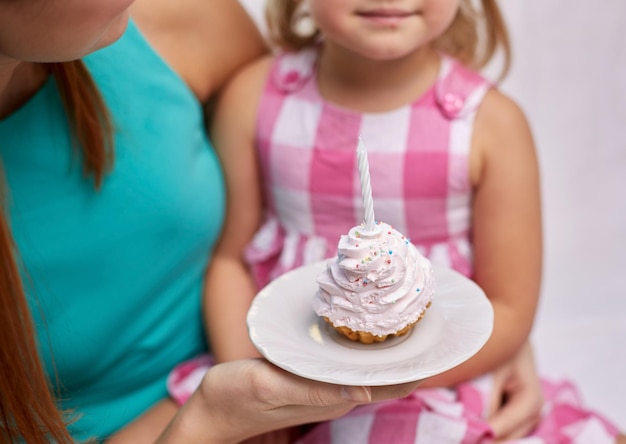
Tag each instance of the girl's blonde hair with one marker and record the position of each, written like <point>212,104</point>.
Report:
<point>476,34</point>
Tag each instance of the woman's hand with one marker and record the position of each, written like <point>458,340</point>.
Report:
<point>241,399</point>
<point>516,402</point>
<point>282,436</point>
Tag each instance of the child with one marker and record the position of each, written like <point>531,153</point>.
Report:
<point>452,166</point>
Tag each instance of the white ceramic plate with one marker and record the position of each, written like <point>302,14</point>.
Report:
<point>286,330</point>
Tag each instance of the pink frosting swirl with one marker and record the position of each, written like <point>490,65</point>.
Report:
<point>378,282</point>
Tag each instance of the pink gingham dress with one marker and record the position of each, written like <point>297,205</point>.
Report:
<point>418,157</point>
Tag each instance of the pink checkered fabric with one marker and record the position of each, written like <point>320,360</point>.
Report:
<point>418,157</point>
<point>436,416</point>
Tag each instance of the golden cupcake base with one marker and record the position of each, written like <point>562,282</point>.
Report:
<point>365,337</point>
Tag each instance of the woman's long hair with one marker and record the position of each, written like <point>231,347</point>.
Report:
<point>474,37</point>
<point>28,410</point>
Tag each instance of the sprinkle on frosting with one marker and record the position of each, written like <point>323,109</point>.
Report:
<point>377,283</point>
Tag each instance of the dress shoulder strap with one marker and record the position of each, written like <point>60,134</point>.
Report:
<point>458,89</point>
<point>291,70</point>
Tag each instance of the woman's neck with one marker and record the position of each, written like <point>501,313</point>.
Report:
<point>19,81</point>
<point>352,81</point>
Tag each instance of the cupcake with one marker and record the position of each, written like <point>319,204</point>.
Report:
<point>378,286</point>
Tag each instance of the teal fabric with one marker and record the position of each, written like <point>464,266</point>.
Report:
<point>114,276</point>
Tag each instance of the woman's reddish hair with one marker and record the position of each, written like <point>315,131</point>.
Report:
<point>28,410</point>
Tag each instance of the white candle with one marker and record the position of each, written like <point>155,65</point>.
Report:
<point>366,188</point>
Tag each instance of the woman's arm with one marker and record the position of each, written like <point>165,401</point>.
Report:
<point>240,399</point>
<point>147,428</point>
<point>229,288</point>
<point>506,231</point>
<point>246,398</point>
<point>205,42</point>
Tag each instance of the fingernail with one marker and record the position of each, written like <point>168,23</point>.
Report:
<point>356,394</point>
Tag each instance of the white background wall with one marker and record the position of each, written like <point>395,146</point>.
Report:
<point>569,75</point>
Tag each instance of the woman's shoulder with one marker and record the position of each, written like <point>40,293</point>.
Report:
<point>247,85</point>
<point>279,73</point>
<point>239,100</point>
<point>206,42</point>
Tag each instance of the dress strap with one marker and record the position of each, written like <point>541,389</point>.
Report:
<point>458,89</point>
<point>292,70</point>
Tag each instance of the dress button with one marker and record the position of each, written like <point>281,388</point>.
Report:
<point>452,103</point>
<point>291,77</point>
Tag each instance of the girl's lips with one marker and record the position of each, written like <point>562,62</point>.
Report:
<point>385,16</point>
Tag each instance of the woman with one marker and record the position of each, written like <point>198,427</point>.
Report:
<point>101,266</point>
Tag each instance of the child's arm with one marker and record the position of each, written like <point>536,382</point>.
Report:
<point>229,287</point>
<point>506,231</point>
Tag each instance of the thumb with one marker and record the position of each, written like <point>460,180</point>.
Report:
<point>325,395</point>
<point>356,394</point>
<point>306,392</point>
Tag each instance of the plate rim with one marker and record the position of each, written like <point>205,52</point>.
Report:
<point>440,271</point>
